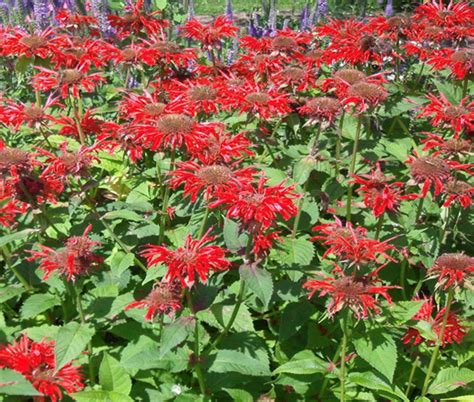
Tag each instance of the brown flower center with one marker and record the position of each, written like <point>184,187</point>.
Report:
<point>428,167</point>
<point>215,174</point>
<point>456,187</point>
<point>129,54</point>
<point>368,91</point>
<point>350,287</point>
<point>323,106</point>
<point>349,75</point>
<point>202,93</point>
<point>175,123</point>
<point>367,42</point>
<point>284,43</point>
<point>294,73</point>
<point>396,21</point>
<point>33,112</point>
<point>457,145</point>
<point>71,76</point>
<point>258,98</point>
<point>166,47</point>
<point>462,56</point>
<point>13,157</point>
<point>33,41</point>
<point>453,261</point>
<point>455,112</point>
<point>155,109</point>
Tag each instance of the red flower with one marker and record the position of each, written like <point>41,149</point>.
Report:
<point>195,257</point>
<point>21,43</point>
<point>258,206</point>
<point>458,191</point>
<point>164,53</point>
<point>447,16</point>
<point>173,131</point>
<point>364,96</point>
<point>78,51</point>
<point>452,270</point>
<point>19,113</point>
<point>115,136</point>
<point>454,331</point>
<point>164,298</point>
<point>36,361</point>
<point>460,62</point>
<point>222,147</point>
<point>321,109</point>
<point>9,207</point>
<point>212,34</point>
<point>67,81</point>
<point>443,113</point>
<point>451,147</point>
<point>356,293</point>
<point>75,259</point>
<point>351,244</point>
<point>263,242</point>
<point>209,178</point>
<point>147,107</point>
<point>379,194</point>
<point>294,78</point>
<point>433,171</point>
<point>135,20</point>
<point>89,124</point>
<point>342,80</point>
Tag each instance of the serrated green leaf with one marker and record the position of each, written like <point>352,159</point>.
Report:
<point>378,348</point>
<point>294,317</point>
<point>219,315</point>
<point>405,310</point>
<point>113,377</point>
<point>71,341</point>
<point>426,330</point>
<point>37,304</point>
<point>294,251</point>
<point>13,383</point>
<point>259,281</point>
<point>449,379</point>
<point>303,363</point>
<point>175,333</point>
<point>22,63</point>
<point>120,261</point>
<point>239,395</point>
<point>234,240</point>
<point>225,361</point>
<point>124,214</point>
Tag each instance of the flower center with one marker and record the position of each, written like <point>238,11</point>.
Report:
<point>33,112</point>
<point>457,187</point>
<point>33,41</point>
<point>351,288</point>
<point>175,123</point>
<point>258,98</point>
<point>367,91</point>
<point>129,54</point>
<point>155,109</point>
<point>202,93</point>
<point>367,43</point>
<point>457,145</point>
<point>71,76</point>
<point>323,106</point>
<point>10,157</point>
<point>284,43</point>
<point>462,56</point>
<point>396,22</point>
<point>166,47</point>
<point>215,174</point>
<point>455,112</point>
<point>349,75</point>
<point>429,167</point>
<point>454,261</point>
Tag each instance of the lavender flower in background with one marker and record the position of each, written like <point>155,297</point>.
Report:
<point>4,15</point>
<point>232,51</point>
<point>272,19</point>
<point>286,22</point>
<point>229,12</point>
<point>100,11</point>
<point>322,8</point>
<point>304,19</point>
<point>41,13</point>
<point>389,8</point>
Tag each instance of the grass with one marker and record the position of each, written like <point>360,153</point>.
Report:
<point>215,7</point>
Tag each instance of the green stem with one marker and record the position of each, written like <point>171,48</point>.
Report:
<point>204,222</point>
<point>338,143</point>
<point>345,337</point>
<point>164,207</point>
<point>465,85</point>
<point>443,229</point>
<point>125,248</point>
<point>379,226</point>
<point>439,342</point>
<point>300,210</point>
<point>419,210</point>
<point>200,376</point>
<point>82,316</point>
<point>8,262</point>
<point>326,378</point>
<point>403,270</point>
<point>352,167</point>
<point>412,374</point>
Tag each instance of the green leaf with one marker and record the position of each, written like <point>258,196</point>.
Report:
<point>303,363</point>
<point>120,261</point>
<point>294,251</point>
<point>13,383</point>
<point>259,280</point>
<point>375,382</point>
<point>113,377</point>
<point>70,342</point>
<point>36,304</point>
<point>124,214</point>
<point>378,348</point>
<point>9,292</point>
<point>294,317</point>
<point>405,310</point>
<point>426,330</point>
<point>239,395</point>
<point>234,240</point>
<point>160,4</point>
<point>22,63</point>
<point>303,168</point>
<point>176,333</point>
<point>452,93</point>
<point>4,240</point>
<point>101,396</point>
<point>226,361</point>
<point>449,379</point>
<point>219,315</point>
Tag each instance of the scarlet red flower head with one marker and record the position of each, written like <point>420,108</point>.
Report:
<point>453,269</point>
<point>212,34</point>
<point>36,361</point>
